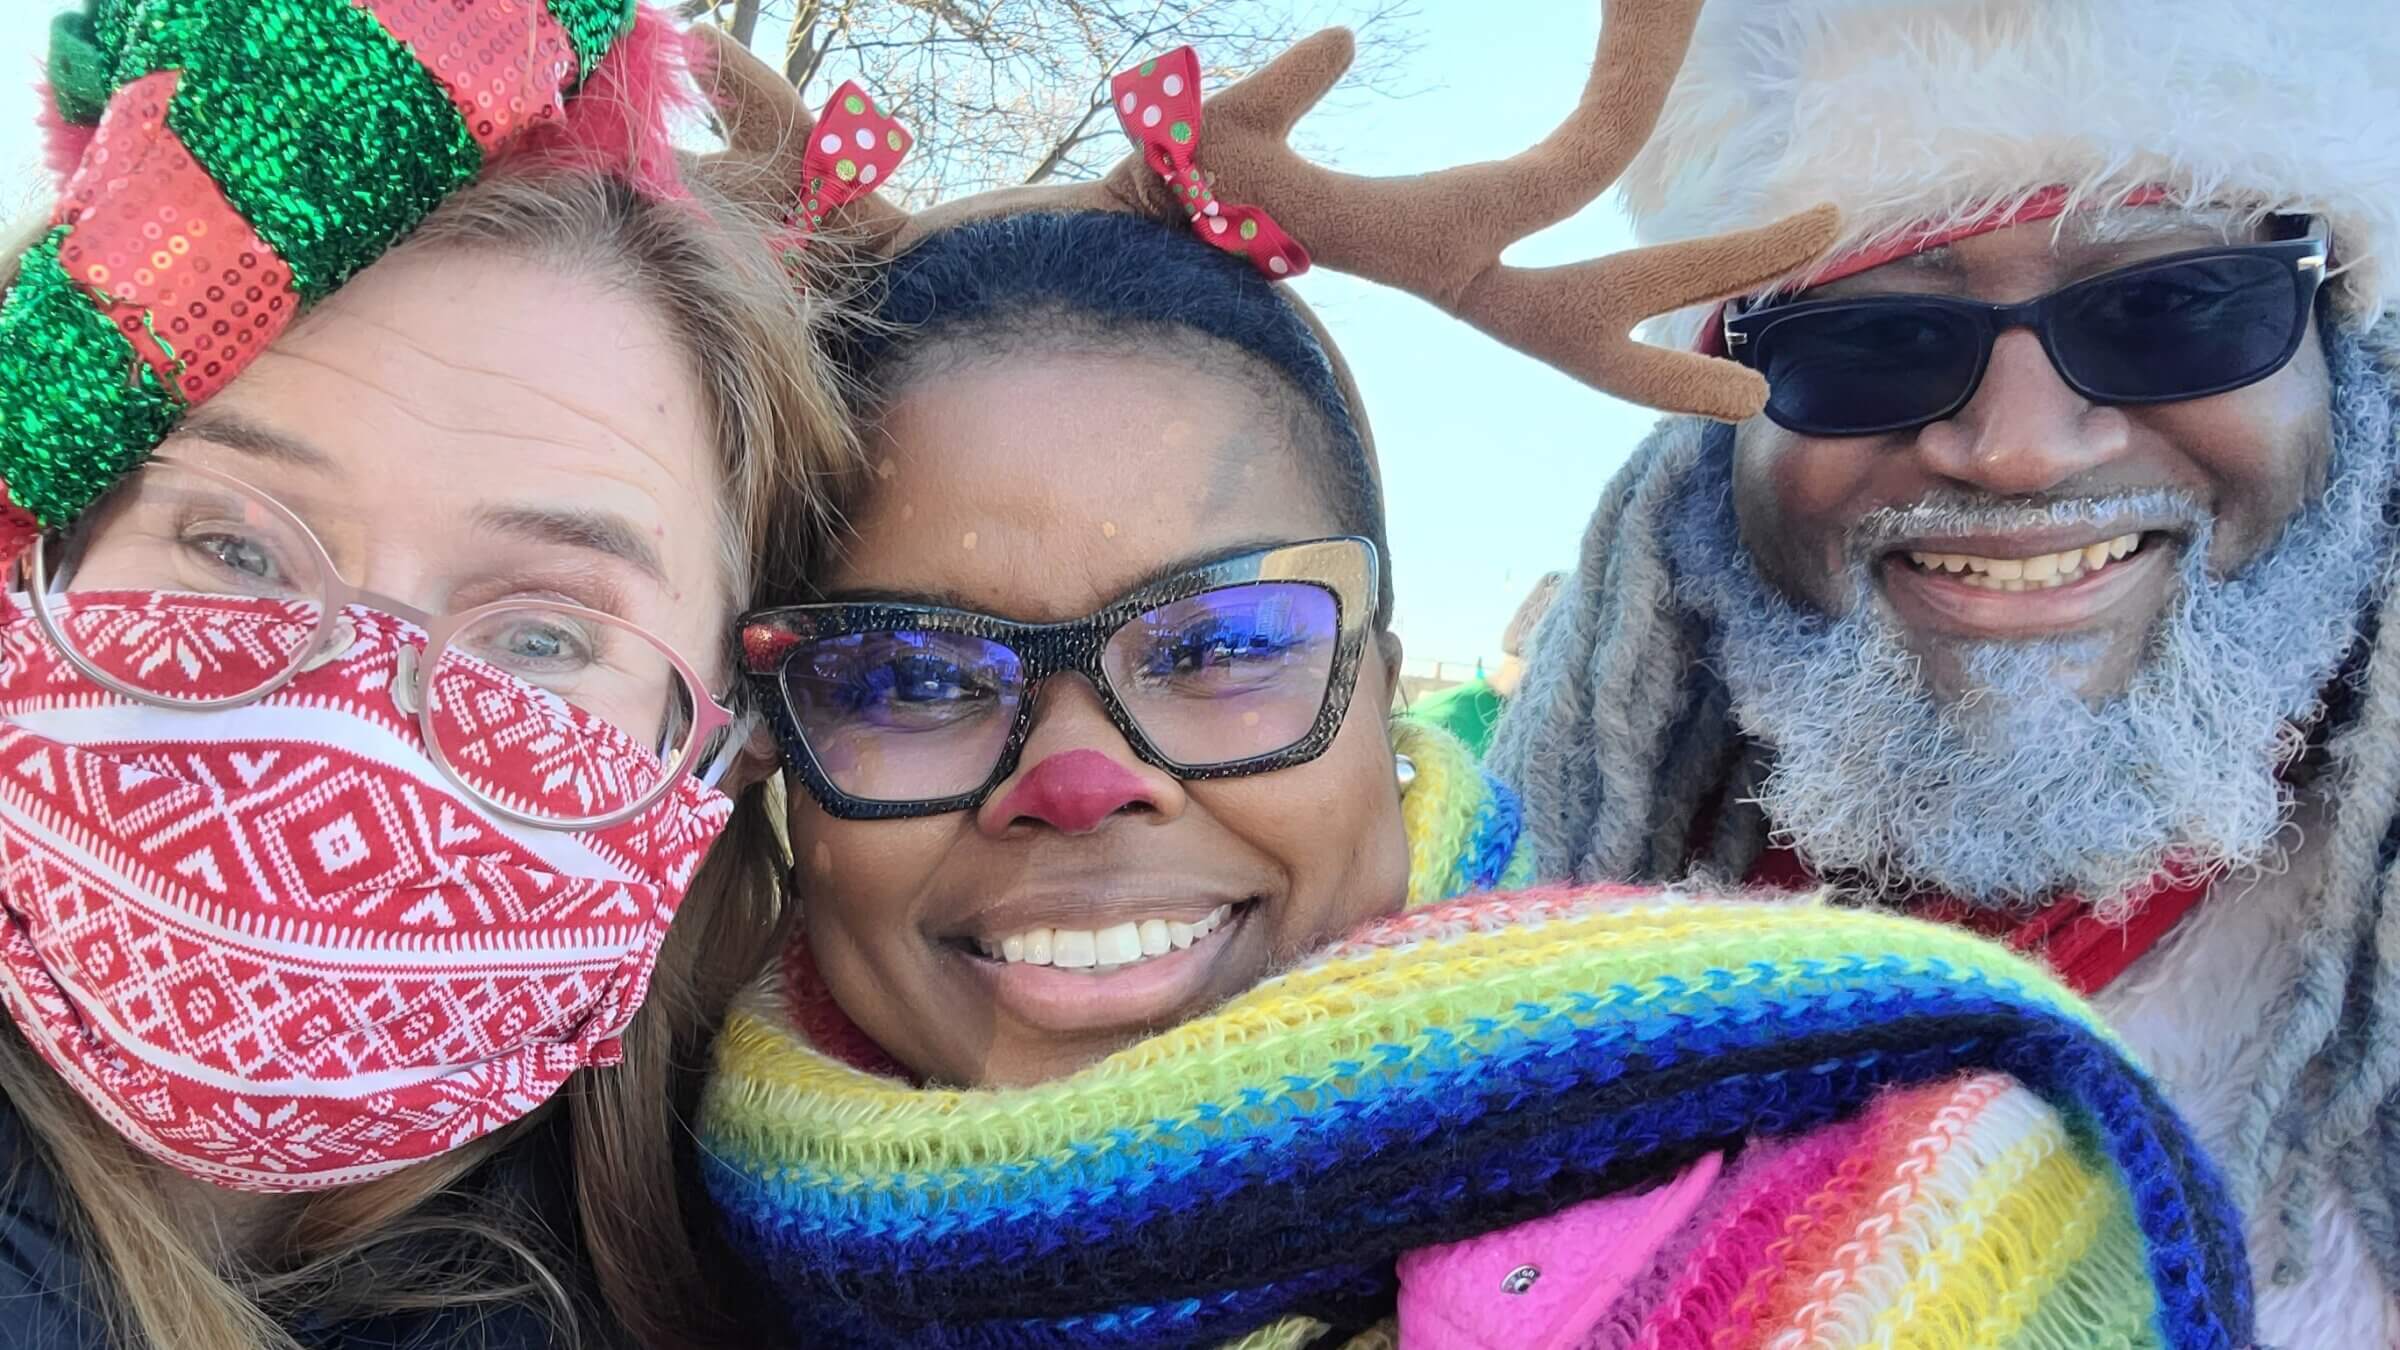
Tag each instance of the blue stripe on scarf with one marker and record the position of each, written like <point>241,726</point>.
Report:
<point>1114,1213</point>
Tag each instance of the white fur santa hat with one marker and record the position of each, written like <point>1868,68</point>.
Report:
<point>1919,118</point>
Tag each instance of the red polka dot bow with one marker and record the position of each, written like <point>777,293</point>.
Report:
<point>1158,104</point>
<point>852,148</point>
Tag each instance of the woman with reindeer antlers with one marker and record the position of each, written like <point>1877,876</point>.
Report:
<point>1152,990</point>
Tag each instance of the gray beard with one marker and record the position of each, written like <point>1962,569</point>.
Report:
<point>2024,790</point>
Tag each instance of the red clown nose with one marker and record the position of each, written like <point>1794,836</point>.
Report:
<point>1072,792</point>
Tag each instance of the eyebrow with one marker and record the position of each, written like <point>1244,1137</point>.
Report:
<point>2203,228</point>
<point>2095,237</point>
<point>1934,263</point>
<point>602,532</point>
<point>1939,262</point>
<point>944,599</point>
<point>232,431</point>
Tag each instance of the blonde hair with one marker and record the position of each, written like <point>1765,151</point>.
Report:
<point>361,1250</point>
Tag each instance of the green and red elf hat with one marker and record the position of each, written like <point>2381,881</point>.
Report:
<point>229,163</point>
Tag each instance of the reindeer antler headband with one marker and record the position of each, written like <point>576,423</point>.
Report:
<point>1437,235</point>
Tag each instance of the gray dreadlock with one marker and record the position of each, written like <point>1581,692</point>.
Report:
<point>1614,786</point>
<point>1625,747</point>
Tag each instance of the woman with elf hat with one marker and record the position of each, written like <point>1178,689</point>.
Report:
<point>387,425</point>
<point>1151,989</point>
<point>2050,593</point>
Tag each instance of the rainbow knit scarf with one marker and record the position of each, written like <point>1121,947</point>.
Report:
<point>1250,1177</point>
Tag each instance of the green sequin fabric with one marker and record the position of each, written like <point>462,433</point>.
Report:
<point>325,132</point>
<point>593,26</point>
<point>79,407</point>
<point>81,73</point>
<point>85,47</point>
<point>112,22</point>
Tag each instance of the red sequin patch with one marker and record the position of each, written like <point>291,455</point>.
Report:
<point>17,529</point>
<point>506,64</point>
<point>163,253</point>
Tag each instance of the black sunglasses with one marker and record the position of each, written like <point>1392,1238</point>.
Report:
<point>1240,666</point>
<point>2164,330</point>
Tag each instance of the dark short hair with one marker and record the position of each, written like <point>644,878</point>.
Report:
<point>1039,280</point>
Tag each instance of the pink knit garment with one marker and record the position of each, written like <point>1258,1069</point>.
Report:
<point>1772,1251</point>
<point>1543,1285</point>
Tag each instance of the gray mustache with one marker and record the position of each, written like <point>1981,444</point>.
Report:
<point>1962,513</point>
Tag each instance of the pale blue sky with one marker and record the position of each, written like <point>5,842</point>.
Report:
<point>1491,460</point>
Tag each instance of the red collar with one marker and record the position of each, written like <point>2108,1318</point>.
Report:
<point>2085,951</point>
<point>822,1022</point>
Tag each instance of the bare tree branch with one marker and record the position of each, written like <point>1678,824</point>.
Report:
<point>1067,144</point>
<point>744,23</point>
<point>801,51</point>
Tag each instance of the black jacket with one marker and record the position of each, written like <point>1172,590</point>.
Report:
<point>47,1302</point>
<point>44,1304</point>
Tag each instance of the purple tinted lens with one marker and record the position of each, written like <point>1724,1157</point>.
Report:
<point>904,716</point>
<point>1228,675</point>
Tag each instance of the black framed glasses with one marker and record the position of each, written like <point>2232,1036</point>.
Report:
<point>1242,666</point>
<point>2167,329</point>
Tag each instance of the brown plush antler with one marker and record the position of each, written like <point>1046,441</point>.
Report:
<point>1440,235</point>
<point>1437,235</point>
<point>766,130</point>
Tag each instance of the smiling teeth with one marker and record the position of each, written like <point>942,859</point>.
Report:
<point>1124,944</point>
<point>2039,573</point>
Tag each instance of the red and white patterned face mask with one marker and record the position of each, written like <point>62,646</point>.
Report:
<point>274,945</point>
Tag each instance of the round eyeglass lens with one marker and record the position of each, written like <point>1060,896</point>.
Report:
<point>559,714</point>
<point>255,583</point>
<point>1228,675</point>
<point>905,716</point>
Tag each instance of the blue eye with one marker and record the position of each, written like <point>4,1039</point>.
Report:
<point>534,645</point>
<point>237,554</point>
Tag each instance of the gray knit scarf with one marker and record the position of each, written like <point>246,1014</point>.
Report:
<point>1626,744</point>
